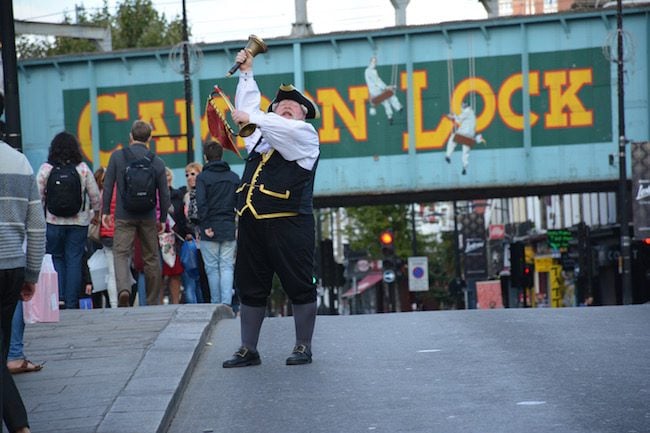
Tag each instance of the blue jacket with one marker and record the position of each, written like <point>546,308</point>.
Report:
<point>216,201</point>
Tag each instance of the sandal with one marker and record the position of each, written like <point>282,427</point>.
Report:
<point>26,366</point>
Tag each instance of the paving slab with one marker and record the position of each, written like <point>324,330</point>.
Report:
<point>113,370</point>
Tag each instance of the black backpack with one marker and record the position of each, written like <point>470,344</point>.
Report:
<point>139,193</point>
<point>63,195</point>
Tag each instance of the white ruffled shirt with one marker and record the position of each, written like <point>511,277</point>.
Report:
<point>296,140</point>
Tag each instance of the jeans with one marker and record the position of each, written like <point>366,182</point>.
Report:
<point>191,289</point>
<point>219,259</point>
<point>17,331</point>
<point>67,245</point>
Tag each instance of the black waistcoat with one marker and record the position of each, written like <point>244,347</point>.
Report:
<point>272,187</point>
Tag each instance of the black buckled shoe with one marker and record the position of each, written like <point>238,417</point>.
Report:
<point>244,357</point>
<point>301,355</point>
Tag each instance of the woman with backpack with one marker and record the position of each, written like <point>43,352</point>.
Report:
<point>69,194</point>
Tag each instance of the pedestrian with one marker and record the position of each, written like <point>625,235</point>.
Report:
<point>106,237</point>
<point>201,285</point>
<point>216,201</point>
<point>276,232</point>
<point>21,222</point>
<point>66,183</point>
<point>17,362</point>
<point>465,134</point>
<point>173,273</point>
<point>139,176</point>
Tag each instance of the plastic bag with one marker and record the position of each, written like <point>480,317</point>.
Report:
<point>98,267</point>
<point>167,243</point>
<point>44,305</point>
<point>189,259</point>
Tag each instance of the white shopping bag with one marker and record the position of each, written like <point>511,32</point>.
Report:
<point>98,267</point>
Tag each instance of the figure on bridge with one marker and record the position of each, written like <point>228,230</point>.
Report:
<point>464,134</point>
<point>380,92</point>
<point>276,225</point>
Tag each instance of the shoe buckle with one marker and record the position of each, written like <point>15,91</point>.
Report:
<point>242,352</point>
<point>301,348</point>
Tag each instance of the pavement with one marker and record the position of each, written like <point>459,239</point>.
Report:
<point>158,369</point>
<point>113,370</point>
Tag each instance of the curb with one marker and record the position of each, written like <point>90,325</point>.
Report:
<point>151,396</point>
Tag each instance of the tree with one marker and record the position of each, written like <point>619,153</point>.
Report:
<point>368,222</point>
<point>136,24</point>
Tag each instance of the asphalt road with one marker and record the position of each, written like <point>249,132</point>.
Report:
<point>570,370</point>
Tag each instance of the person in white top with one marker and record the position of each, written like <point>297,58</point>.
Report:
<point>67,235</point>
<point>276,232</point>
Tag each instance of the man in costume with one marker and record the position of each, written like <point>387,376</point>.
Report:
<point>276,226</point>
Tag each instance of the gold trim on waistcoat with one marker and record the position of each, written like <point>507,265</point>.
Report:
<point>251,188</point>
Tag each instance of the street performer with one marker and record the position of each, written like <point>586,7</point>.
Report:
<point>276,225</point>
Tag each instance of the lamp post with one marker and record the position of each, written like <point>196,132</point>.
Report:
<point>9,63</point>
<point>624,264</point>
<point>188,90</point>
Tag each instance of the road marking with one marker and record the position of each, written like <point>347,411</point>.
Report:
<point>429,350</point>
<point>531,403</point>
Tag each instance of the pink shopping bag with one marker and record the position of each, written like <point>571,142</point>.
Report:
<point>44,306</point>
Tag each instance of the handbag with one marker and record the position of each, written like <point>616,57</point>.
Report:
<point>93,232</point>
<point>190,259</point>
<point>44,305</point>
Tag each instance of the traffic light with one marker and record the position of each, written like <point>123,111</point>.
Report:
<point>528,278</point>
<point>387,249</point>
<point>517,264</point>
<point>386,241</point>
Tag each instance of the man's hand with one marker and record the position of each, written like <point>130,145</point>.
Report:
<point>245,59</point>
<point>209,232</point>
<point>161,227</point>
<point>27,291</point>
<point>108,221</point>
<point>241,117</point>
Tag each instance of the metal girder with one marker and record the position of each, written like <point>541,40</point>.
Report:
<point>102,35</point>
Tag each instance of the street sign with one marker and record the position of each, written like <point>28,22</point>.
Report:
<point>418,274</point>
<point>389,276</point>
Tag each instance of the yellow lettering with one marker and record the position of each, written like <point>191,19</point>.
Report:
<point>482,88</point>
<point>509,87</point>
<point>154,112</point>
<point>355,121</point>
<point>425,139</point>
<point>564,106</point>
<point>116,104</point>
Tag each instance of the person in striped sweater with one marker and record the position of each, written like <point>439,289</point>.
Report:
<point>21,223</point>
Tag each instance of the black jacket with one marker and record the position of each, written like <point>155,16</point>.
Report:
<point>216,200</point>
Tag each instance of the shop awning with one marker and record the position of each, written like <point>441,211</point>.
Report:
<point>366,282</point>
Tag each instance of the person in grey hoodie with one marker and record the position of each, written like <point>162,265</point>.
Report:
<point>216,200</point>
<point>21,222</point>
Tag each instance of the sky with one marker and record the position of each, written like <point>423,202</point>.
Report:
<point>225,20</point>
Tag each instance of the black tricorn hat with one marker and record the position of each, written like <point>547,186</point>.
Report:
<point>288,91</point>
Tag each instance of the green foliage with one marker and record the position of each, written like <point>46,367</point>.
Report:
<point>366,224</point>
<point>136,24</point>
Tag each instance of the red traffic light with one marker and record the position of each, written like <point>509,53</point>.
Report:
<point>386,238</point>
